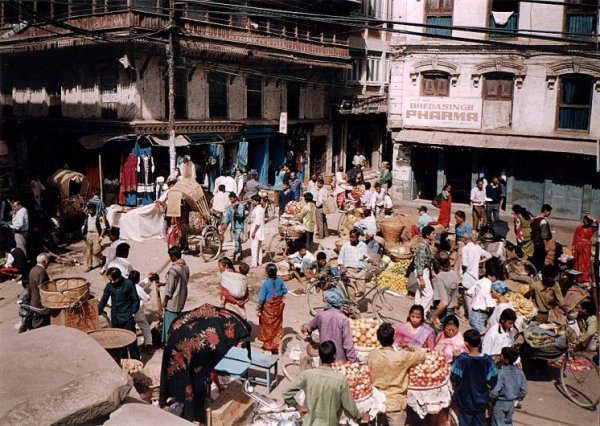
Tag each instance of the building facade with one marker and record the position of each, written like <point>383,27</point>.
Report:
<point>483,88</point>
<point>82,78</point>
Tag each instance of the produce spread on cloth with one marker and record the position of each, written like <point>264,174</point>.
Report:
<point>431,373</point>
<point>364,332</point>
<point>358,378</point>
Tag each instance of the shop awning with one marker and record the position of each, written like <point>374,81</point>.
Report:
<point>96,141</point>
<point>180,141</point>
<point>495,141</point>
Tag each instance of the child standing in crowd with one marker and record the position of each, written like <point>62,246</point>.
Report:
<point>473,375</point>
<point>511,387</point>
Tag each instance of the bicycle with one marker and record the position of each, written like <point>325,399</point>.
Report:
<point>207,241</point>
<point>579,376</point>
<point>349,208</point>
<point>382,300</point>
<point>293,356</point>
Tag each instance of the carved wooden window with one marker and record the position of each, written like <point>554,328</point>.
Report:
<point>435,84</point>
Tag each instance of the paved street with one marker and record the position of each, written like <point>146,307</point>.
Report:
<point>544,404</point>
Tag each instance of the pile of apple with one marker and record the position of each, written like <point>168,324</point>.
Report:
<point>358,378</point>
<point>431,373</point>
<point>364,332</point>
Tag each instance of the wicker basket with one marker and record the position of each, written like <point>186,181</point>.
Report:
<point>64,292</point>
<point>400,252</point>
<point>291,230</point>
<point>392,231</point>
<point>327,178</point>
<point>113,338</point>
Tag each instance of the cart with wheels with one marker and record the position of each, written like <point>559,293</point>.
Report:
<point>285,240</point>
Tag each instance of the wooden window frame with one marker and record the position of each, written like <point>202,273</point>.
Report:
<point>438,77</point>
<point>250,91</point>
<point>560,104</point>
<point>218,109</point>
<point>502,84</point>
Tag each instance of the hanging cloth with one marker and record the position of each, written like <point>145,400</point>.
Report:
<point>501,18</point>
<point>242,155</point>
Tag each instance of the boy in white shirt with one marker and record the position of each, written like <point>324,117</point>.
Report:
<point>500,335</point>
<point>479,300</point>
<point>140,315</point>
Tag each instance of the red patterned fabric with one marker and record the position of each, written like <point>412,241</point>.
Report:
<point>129,174</point>
<point>198,340</point>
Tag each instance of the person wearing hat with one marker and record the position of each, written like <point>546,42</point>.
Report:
<point>93,230</point>
<point>334,325</point>
<point>498,291</point>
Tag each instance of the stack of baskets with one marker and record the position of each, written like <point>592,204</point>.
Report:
<point>392,231</point>
<point>63,293</point>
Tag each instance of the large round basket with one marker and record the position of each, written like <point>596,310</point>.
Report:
<point>400,252</point>
<point>64,292</point>
<point>392,231</point>
<point>113,338</point>
<point>292,231</point>
<point>327,178</point>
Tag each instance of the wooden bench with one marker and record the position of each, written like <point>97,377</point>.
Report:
<point>236,363</point>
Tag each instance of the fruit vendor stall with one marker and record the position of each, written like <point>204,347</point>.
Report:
<point>429,388</point>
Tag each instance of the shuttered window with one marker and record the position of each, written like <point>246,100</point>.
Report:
<point>217,95</point>
<point>582,18</point>
<point>439,12</point>
<point>498,87</point>
<point>293,100</point>
<point>575,102</point>
<point>254,94</point>
<point>435,84</point>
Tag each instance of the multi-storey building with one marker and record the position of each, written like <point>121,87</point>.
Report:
<point>361,122</point>
<point>498,87</point>
<point>94,73</point>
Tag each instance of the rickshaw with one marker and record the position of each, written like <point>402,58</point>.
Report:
<point>73,188</point>
<point>188,209</point>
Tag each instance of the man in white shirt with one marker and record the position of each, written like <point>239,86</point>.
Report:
<point>257,230</point>
<point>140,315</point>
<point>320,197</point>
<point>478,198</point>
<point>220,201</point>
<point>20,225</point>
<point>301,260</point>
<point>365,198</point>
<point>472,256</point>
<point>311,186</point>
<point>352,258</point>
<point>359,159</point>
<point>228,181</point>
<point>114,235</point>
<point>376,204</point>
<point>121,262</point>
<point>367,225</point>
<point>480,301</point>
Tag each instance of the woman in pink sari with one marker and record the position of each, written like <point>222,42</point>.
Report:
<point>415,331</point>
<point>450,343</point>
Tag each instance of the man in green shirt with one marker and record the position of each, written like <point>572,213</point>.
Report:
<point>326,390</point>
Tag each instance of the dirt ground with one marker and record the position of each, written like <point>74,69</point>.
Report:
<point>544,404</point>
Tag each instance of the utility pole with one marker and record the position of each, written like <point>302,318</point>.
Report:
<point>171,84</point>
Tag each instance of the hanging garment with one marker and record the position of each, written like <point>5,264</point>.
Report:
<point>145,169</point>
<point>129,174</point>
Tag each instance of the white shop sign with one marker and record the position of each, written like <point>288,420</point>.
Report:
<point>432,111</point>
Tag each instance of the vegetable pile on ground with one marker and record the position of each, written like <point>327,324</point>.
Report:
<point>431,373</point>
<point>394,280</point>
<point>364,332</point>
<point>358,378</point>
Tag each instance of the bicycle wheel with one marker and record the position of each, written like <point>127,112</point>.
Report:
<point>293,356</point>
<point>580,380</point>
<point>314,299</point>
<point>210,244</point>
<point>518,269</point>
<point>277,248</point>
<point>386,305</point>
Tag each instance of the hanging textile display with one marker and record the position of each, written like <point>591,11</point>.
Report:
<point>214,164</point>
<point>129,180</point>
<point>263,176</point>
<point>242,155</point>
<point>145,169</point>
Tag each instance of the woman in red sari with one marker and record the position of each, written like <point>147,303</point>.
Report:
<point>445,206</point>
<point>270,310</point>
<point>582,247</point>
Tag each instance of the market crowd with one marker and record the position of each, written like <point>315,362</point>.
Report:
<point>455,273</point>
